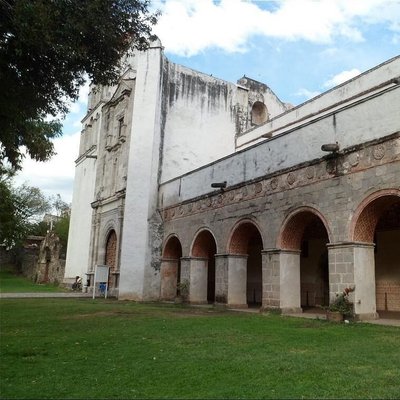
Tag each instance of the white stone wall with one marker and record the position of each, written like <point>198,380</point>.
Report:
<point>80,229</point>
<point>81,219</point>
<point>142,179</point>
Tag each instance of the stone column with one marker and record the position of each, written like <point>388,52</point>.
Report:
<point>289,280</point>
<point>271,278</point>
<point>169,271</point>
<point>364,279</point>
<point>185,269</point>
<point>237,280</point>
<point>221,278</point>
<point>198,280</point>
<point>352,264</point>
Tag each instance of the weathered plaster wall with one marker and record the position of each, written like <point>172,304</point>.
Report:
<point>203,114</point>
<point>200,120</point>
<point>114,141</point>
<point>140,222</point>
<point>365,121</point>
<point>78,252</point>
<point>362,86</point>
<point>81,213</point>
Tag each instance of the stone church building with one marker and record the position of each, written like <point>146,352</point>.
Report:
<point>186,179</point>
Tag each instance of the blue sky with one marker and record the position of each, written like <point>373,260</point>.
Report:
<point>299,48</point>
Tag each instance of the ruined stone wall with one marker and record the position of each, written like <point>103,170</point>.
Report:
<point>49,267</point>
<point>5,256</point>
<point>27,263</point>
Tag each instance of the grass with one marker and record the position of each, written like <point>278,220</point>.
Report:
<point>83,348</point>
<point>10,282</point>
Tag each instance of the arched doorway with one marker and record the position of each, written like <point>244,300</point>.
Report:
<point>111,250</point>
<point>304,231</point>
<point>246,240</point>
<point>110,257</point>
<point>171,269</point>
<point>378,222</point>
<point>204,246</point>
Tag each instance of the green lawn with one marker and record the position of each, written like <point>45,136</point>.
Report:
<point>80,348</point>
<point>14,283</point>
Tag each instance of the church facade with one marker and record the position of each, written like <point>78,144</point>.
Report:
<point>186,180</point>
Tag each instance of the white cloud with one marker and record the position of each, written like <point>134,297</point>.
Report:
<point>54,176</point>
<point>396,39</point>
<point>188,27</point>
<point>341,77</point>
<point>307,94</point>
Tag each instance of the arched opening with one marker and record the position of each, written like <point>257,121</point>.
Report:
<point>259,113</point>
<point>306,232</point>
<point>247,240</point>
<point>379,222</point>
<point>171,269</point>
<point>314,266</point>
<point>110,257</point>
<point>205,247</point>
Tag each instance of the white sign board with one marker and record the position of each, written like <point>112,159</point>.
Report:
<point>101,277</point>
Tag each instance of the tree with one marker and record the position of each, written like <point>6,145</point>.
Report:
<point>60,217</point>
<point>60,207</point>
<point>21,209</point>
<point>46,48</point>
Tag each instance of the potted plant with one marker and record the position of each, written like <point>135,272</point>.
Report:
<point>341,307</point>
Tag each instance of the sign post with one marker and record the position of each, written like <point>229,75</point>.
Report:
<point>101,276</point>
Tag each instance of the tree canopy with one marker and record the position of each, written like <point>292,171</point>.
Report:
<point>46,49</point>
<point>21,209</point>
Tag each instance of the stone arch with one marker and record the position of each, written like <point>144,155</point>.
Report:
<point>202,238</point>
<point>294,227</point>
<point>204,246</point>
<point>172,247</point>
<point>305,233</point>
<point>259,113</point>
<point>240,236</point>
<point>246,241</point>
<point>367,214</point>
<point>171,268</point>
<point>376,224</point>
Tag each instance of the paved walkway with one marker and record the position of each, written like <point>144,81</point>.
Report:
<point>44,295</point>
<point>381,321</point>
